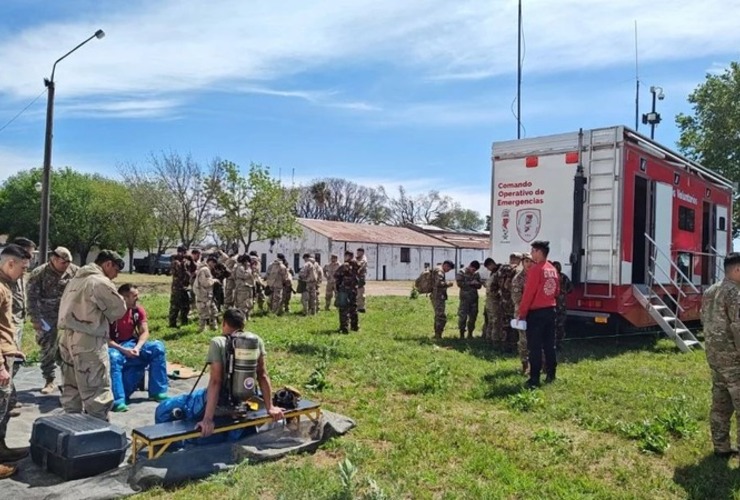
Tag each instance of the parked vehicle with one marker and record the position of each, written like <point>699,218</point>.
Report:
<point>640,230</point>
<point>153,264</point>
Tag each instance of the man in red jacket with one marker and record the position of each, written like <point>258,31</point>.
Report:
<point>538,309</point>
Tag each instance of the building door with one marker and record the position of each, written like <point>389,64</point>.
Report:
<point>640,227</point>
<point>708,261</point>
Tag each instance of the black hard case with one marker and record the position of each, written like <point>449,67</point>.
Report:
<point>77,445</point>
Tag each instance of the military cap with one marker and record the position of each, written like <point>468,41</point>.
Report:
<point>195,250</point>
<point>526,256</point>
<point>110,255</point>
<point>63,253</point>
<point>516,255</point>
<point>182,249</point>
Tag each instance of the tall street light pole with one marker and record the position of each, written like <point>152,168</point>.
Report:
<point>653,118</point>
<point>46,177</point>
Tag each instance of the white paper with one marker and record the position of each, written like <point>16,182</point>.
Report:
<point>44,325</point>
<point>518,324</point>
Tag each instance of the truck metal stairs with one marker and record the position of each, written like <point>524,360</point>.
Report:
<point>665,315</point>
<point>601,227</point>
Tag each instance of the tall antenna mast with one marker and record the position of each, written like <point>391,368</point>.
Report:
<point>637,83</point>
<point>519,75</point>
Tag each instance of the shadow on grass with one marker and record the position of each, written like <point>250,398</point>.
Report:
<point>502,383</point>
<point>711,477</point>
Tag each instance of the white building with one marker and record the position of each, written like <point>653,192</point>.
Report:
<point>393,253</point>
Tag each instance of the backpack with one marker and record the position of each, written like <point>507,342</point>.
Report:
<point>425,282</point>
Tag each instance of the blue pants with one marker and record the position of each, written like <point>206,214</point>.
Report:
<point>126,373</point>
<point>192,407</point>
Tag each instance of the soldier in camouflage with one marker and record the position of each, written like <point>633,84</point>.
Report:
<point>561,311</point>
<point>517,292</point>
<point>182,269</point>
<point>347,280</point>
<point>244,285</point>
<point>19,292</point>
<point>287,287</point>
<point>204,300</point>
<point>491,266</point>
<point>45,289</point>
<point>308,275</point>
<point>277,277</point>
<point>329,270</point>
<point>503,337</point>
<point>439,296</point>
<point>362,272</point>
<point>230,262</point>
<point>89,304</point>
<point>14,261</point>
<point>720,315</point>
<point>469,282</point>
<point>259,283</point>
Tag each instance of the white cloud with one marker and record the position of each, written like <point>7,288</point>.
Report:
<point>176,46</point>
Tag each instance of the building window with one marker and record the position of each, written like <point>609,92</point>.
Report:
<point>263,263</point>
<point>686,217</point>
<point>722,224</point>
<point>317,256</point>
<point>296,262</point>
<point>405,254</point>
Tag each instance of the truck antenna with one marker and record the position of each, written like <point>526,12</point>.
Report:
<point>637,84</point>
<point>519,75</point>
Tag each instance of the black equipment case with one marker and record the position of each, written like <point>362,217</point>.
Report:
<point>77,445</point>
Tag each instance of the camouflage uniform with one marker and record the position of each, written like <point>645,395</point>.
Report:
<point>230,264</point>
<point>8,347</point>
<point>45,289</point>
<point>329,270</point>
<point>319,279</point>
<point>504,335</point>
<point>362,273</point>
<point>561,311</point>
<point>181,270</point>
<point>308,297</point>
<point>517,292</point>
<point>720,315</point>
<point>244,288</point>
<point>89,304</point>
<point>203,290</point>
<point>467,312</point>
<point>346,278</point>
<point>438,298</point>
<point>288,289</point>
<point>277,276</point>
<point>493,308</point>
<point>259,285</point>
<point>19,308</point>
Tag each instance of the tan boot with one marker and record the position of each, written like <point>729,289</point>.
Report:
<point>49,387</point>
<point>11,454</point>
<point>525,367</point>
<point>7,470</point>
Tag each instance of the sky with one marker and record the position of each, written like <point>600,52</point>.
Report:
<point>380,92</point>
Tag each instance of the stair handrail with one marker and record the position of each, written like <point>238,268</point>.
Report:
<point>673,266</point>
<point>667,294</point>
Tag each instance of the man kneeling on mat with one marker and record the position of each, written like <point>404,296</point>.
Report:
<point>228,387</point>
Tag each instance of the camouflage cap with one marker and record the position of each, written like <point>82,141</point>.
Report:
<point>527,256</point>
<point>516,255</point>
<point>110,255</point>
<point>63,253</point>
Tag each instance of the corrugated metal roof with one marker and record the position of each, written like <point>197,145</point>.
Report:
<point>478,242</point>
<point>367,233</point>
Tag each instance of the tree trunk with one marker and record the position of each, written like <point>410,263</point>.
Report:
<point>131,259</point>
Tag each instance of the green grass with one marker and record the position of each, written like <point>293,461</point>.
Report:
<point>450,419</point>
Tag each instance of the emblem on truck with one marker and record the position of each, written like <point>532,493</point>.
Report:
<point>528,221</point>
<point>505,224</point>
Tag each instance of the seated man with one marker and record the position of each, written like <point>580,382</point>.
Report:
<point>131,351</point>
<point>202,405</point>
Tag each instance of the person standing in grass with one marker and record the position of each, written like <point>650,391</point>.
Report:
<point>538,309</point>
<point>439,296</point>
<point>720,315</point>
<point>469,282</point>
<point>561,310</point>
<point>347,279</point>
<point>517,291</point>
<point>329,270</point>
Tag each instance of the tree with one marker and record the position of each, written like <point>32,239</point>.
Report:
<point>187,189</point>
<point>420,209</point>
<point>254,208</point>
<point>341,200</point>
<point>711,135</point>
<point>460,219</point>
<point>83,209</point>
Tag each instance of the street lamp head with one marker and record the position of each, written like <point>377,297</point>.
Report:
<point>99,34</point>
<point>39,187</point>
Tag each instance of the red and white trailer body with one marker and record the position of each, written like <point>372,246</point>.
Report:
<point>595,195</point>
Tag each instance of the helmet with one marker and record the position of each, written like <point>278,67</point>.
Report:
<point>287,398</point>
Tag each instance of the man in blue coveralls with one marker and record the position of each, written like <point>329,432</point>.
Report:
<point>131,352</point>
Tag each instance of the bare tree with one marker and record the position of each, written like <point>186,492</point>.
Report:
<point>341,200</point>
<point>419,209</point>
<point>186,192</point>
